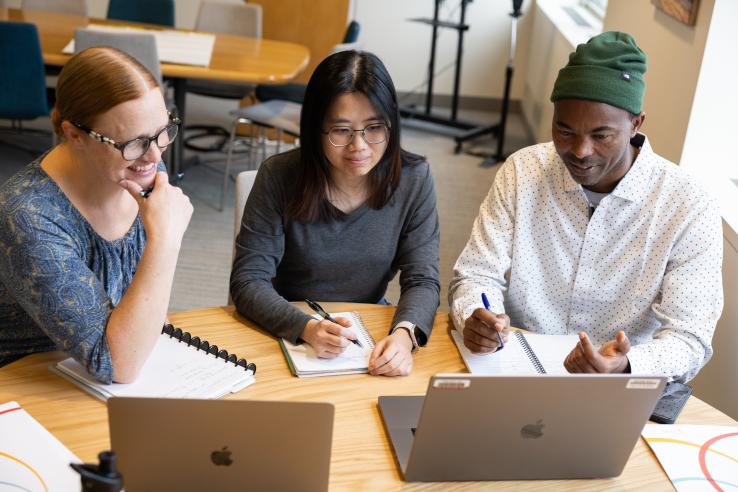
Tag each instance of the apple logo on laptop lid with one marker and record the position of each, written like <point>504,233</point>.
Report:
<point>221,457</point>
<point>532,431</point>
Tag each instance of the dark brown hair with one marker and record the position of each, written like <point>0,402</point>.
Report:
<point>341,73</point>
<point>95,80</point>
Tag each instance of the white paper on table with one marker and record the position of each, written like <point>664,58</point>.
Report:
<point>185,48</point>
<point>31,458</point>
<point>515,359</point>
<point>692,455</point>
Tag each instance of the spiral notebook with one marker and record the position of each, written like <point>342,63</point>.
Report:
<point>524,353</point>
<point>305,363</point>
<point>179,366</point>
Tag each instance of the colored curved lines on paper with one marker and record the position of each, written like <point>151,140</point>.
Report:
<point>707,475</point>
<point>26,466</point>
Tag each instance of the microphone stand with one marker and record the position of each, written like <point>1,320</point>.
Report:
<point>498,130</point>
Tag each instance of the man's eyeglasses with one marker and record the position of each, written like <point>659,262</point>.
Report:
<point>341,136</point>
<point>133,149</point>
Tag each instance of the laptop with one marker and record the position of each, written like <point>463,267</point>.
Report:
<point>475,427</point>
<point>221,445</point>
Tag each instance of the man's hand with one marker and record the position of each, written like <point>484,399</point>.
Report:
<point>481,329</point>
<point>392,356</point>
<point>611,357</point>
<point>328,339</point>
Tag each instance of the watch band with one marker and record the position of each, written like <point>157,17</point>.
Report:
<point>410,328</point>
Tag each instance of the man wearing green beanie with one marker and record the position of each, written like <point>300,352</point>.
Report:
<point>594,234</point>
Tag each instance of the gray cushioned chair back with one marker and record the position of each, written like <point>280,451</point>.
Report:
<point>72,7</point>
<point>242,19</point>
<point>141,46</point>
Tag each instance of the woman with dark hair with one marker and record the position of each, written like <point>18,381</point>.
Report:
<point>337,218</point>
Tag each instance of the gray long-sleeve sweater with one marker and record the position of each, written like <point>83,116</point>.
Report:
<point>350,259</point>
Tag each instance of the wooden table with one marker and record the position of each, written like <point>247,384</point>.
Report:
<point>362,457</point>
<point>235,58</point>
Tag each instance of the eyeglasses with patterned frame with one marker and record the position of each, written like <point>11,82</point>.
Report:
<point>135,148</point>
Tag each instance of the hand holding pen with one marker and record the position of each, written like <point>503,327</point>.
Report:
<point>485,331</point>
<point>485,301</point>
<point>328,339</point>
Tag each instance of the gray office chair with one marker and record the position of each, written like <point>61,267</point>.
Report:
<point>72,7</point>
<point>239,19</point>
<point>244,183</point>
<point>141,46</point>
<point>283,116</point>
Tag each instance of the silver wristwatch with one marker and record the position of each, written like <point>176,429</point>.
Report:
<point>410,328</point>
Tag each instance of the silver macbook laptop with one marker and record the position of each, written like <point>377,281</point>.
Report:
<point>473,427</point>
<point>221,445</point>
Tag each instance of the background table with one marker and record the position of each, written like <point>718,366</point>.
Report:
<point>234,59</point>
<point>362,457</point>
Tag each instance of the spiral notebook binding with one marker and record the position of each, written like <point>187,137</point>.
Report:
<point>529,352</point>
<point>186,337</point>
<point>363,332</point>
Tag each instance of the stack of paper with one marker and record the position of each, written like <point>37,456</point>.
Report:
<point>31,459</point>
<point>696,457</point>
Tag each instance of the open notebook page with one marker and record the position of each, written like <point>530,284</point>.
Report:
<point>551,350</point>
<point>173,370</point>
<point>513,359</point>
<point>510,360</point>
<point>353,360</point>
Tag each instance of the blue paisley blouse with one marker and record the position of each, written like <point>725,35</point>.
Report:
<point>59,280</point>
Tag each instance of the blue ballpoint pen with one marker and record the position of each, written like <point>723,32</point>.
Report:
<point>485,301</point>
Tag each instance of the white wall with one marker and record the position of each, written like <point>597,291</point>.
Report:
<point>709,153</point>
<point>549,51</point>
<point>405,46</point>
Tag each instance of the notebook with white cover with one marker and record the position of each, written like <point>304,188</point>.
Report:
<point>179,366</point>
<point>304,362</point>
<point>30,457</point>
<point>523,354</point>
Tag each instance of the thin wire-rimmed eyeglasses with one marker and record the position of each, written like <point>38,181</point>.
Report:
<point>341,136</point>
<point>133,149</point>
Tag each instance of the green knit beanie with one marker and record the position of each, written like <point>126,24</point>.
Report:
<point>608,68</point>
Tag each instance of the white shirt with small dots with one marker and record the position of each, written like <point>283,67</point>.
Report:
<point>647,262</point>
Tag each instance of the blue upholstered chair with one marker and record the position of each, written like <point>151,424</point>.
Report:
<point>23,93</point>
<point>149,11</point>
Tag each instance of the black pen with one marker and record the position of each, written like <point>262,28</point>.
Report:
<point>318,309</point>
<point>145,193</point>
